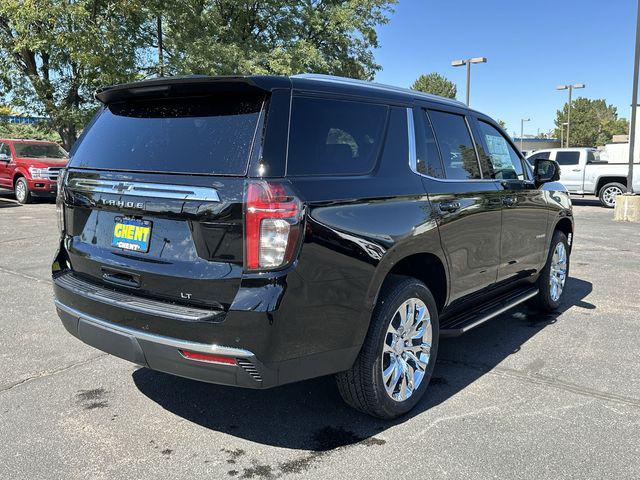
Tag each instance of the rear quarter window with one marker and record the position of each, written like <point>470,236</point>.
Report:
<point>334,137</point>
<point>205,135</point>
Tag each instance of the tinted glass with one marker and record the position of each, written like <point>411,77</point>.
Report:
<point>501,160</point>
<point>334,137</point>
<point>4,149</point>
<point>428,161</point>
<point>568,158</point>
<point>38,150</point>
<point>456,146</point>
<point>203,135</point>
<point>533,157</point>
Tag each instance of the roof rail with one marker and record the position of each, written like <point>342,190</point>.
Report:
<point>380,86</point>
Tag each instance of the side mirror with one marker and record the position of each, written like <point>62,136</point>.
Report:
<point>545,171</point>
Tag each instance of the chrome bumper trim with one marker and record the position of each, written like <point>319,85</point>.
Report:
<point>153,338</point>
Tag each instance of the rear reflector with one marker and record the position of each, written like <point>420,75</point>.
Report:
<point>207,357</point>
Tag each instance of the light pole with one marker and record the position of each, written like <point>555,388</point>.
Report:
<point>468,62</point>
<point>562,134</point>
<point>522,120</point>
<point>570,88</point>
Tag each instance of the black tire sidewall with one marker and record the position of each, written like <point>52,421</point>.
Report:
<point>27,195</point>
<point>611,184</point>
<point>383,315</point>
<point>545,302</point>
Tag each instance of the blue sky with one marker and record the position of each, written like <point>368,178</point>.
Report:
<point>531,48</point>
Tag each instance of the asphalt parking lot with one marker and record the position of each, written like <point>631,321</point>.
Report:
<point>523,396</point>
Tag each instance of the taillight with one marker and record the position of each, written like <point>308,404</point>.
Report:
<point>272,225</point>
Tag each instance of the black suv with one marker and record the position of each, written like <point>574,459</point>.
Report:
<point>258,230</point>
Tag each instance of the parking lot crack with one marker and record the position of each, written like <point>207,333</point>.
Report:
<point>539,379</point>
<point>24,275</point>
<point>48,373</point>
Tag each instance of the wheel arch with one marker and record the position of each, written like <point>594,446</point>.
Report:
<point>427,267</point>
<point>602,181</point>
<point>565,225</point>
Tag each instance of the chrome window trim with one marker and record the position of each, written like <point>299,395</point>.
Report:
<point>142,189</point>
<point>413,157</point>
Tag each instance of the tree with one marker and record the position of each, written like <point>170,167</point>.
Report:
<point>39,131</point>
<point>284,37</point>
<point>593,122</point>
<point>502,124</point>
<point>436,84</point>
<point>55,53</point>
<point>6,110</point>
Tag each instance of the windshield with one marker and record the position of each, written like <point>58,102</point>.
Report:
<point>204,135</point>
<point>39,150</point>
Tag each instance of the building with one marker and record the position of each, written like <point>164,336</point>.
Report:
<point>530,144</point>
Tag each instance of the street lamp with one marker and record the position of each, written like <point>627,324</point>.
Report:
<point>522,120</point>
<point>570,88</point>
<point>468,62</point>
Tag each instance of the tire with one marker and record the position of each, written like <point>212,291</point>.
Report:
<point>608,193</point>
<point>547,300</point>
<point>21,189</point>
<point>363,386</point>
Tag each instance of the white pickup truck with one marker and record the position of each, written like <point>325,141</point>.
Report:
<point>584,172</point>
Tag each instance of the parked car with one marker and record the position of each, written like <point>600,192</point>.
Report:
<point>255,231</point>
<point>583,172</point>
<point>30,167</point>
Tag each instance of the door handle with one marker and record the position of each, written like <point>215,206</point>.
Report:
<point>576,170</point>
<point>509,201</point>
<point>449,206</point>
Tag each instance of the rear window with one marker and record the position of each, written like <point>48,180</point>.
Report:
<point>334,137</point>
<point>196,135</point>
<point>568,158</point>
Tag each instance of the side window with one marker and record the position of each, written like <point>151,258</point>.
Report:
<point>458,153</point>
<point>568,158</point>
<point>4,149</point>
<point>428,155</point>
<point>535,156</point>
<point>334,137</point>
<point>501,160</point>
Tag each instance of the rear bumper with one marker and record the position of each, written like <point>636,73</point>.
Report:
<point>152,333</point>
<point>163,353</point>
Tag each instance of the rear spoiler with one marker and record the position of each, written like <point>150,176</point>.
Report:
<point>192,85</point>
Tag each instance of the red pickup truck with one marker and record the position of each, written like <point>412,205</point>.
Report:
<point>30,167</point>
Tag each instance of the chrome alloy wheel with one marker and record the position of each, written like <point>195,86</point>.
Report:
<point>406,349</point>
<point>610,194</point>
<point>21,191</point>
<point>558,272</point>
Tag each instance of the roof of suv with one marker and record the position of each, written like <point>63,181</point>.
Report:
<point>200,83</point>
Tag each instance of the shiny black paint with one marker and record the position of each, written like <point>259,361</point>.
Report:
<point>313,315</point>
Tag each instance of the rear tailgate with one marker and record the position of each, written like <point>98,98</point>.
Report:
<point>154,192</point>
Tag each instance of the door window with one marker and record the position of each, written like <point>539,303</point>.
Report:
<point>4,150</point>
<point>568,158</point>
<point>428,156</point>
<point>458,153</point>
<point>501,160</point>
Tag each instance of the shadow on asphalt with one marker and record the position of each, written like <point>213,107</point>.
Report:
<point>310,415</point>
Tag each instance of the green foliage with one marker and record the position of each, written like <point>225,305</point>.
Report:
<point>55,53</point>
<point>502,124</point>
<point>593,122</point>
<point>30,131</point>
<point>284,37</point>
<point>436,84</point>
